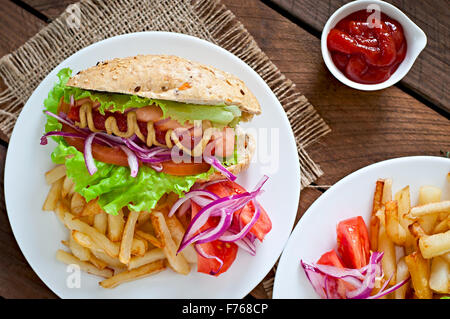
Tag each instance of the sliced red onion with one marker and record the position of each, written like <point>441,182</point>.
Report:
<point>155,159</point>
<point>202,253</point>
<point>389,290</point>
<point>44,140</point>
<point>223,207</point>
<point>324,279</point>
<point>114,139</point>
<point>220,207</point>
<point>202,202</point>
<point>214,162</point>
<point>368,283</point>
<point>132,160</point>
<point>316,279</point>
<point>157,168</point>
<point>184,208</point>
<point>65,121</point>
<point>88,158</point>
<point>339,272</point>
<point>130,142</point>
<point>190,195</point>
<point>245,244</point>
<point>246,228</point>
<point>72,101</point>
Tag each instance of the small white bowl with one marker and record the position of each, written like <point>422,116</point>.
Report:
<point>416,41</point>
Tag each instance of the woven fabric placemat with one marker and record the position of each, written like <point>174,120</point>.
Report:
<point>89,21</point>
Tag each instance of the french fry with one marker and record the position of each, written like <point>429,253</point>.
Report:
<point>430,209</point>
<point>439,276</point>
<point>419,270</point>
<point>91,208</point>
<point>403,199</point>
<point>98,238</point>
<point>143,217</point>
<point>441,227</point>
<point>446,257</point>
<point>55,174</point>
<point>115,226</point>
<point>402,274</point>
<point>82,253</point>
<point>149,257</point>
<point>113,262</point>
<point>53,196</point>
<point>177,262</point>
<point>394,230</point>
<point>100,264</point>
<point>374,222</point>
<point>417,230</point>
<point>133,274</point>
<point>138,247</point>
<point>435,245</point>
<point>387,191</point>
<point>61,210</point>
<point>69,259</point>
<point>87,219</point>
<point>150,238</point>
<point>67,187</point>
<point>77,204</point>
<point>177,232</point>
<point>127,238</point>
<point>85,241</point>
<point>388,262</point>
<point>101,222</point>
<point>429,194</point>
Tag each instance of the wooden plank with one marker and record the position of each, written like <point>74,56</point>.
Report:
<point>16,26</point>
<point>429,76</point>
<point>50,8</point>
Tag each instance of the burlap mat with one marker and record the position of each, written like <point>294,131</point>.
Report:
<point>89,21</point>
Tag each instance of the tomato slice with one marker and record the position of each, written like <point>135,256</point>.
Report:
<point>353,242</point>
<point>184,169</point>
<point>105,154</point>
<point>263,224</point>
<point>225,251</point>
<point>330,258</point>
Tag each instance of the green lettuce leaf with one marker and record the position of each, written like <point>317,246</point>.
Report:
<point>52,101</point>
<point>114,186</point>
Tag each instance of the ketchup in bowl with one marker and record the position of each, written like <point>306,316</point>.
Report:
<point>367,53</point>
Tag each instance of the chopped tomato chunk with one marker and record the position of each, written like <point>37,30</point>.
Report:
<point>353,242</point>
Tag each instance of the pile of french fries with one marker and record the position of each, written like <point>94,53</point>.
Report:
<point>415,240</point>
<point>119,248</point>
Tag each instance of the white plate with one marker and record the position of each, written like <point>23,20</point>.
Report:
<point>352,196</point>
<point>39,233</point>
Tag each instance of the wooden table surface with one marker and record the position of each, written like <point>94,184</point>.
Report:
<point>410,118</point>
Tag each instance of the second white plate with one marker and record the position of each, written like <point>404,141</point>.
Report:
<point>352,196</point>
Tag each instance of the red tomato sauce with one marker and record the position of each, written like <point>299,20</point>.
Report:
<point>367,53</point>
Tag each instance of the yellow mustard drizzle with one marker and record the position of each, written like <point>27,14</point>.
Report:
<point>86,120</point>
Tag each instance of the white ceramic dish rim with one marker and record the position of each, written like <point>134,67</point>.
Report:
<point>324,197</point>
<point>411,31</point>
<point>52,74</point>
